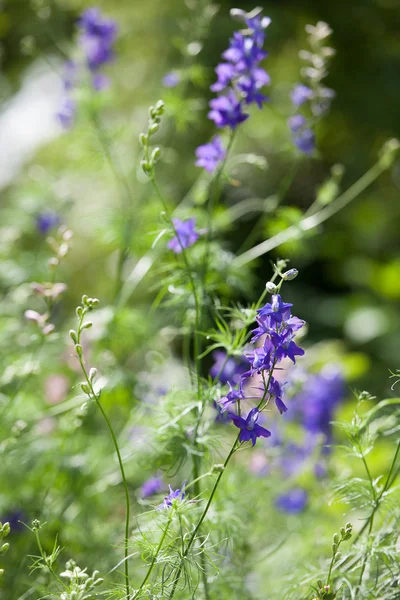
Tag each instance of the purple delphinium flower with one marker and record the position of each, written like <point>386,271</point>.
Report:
<point>305,141</point>
<point>318,400</point>
<point>46,221</point>
<point>296,122</point>
<point>231,397</point>
<point>66,112</point>
<point>186,235</point>
<point>97,36</point>
<point>293,502</point>
<point>277,310</point>
<point>227,111</point>
<point>173,496</point>
<point>150,487</point>
<point>209,156</point>
<point>249,429</point>
<point>171,79</point>
<point>300,94</point>
<point>227,369</point>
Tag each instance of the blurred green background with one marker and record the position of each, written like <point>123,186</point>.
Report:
<point>349,286</point>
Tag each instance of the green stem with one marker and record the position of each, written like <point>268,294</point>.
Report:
<point>153,562</point>
<point>96,398</point>
<point>313,221</point>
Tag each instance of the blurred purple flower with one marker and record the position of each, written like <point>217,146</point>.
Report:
<point>300,94</point>
<point>100,81</point>
<point>97,37</point>
<point>228,369</point>
<point>70,73</point>
<point>186,235</point>
<point>152,486</point>
<point>209,156</point>
<point>293,502</point>
<point>171,79</point>
<point>296,122</point>
<point>305,141</point>
<point>66,112</point>
<point>46,221</point>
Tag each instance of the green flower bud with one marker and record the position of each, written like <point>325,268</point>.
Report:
<point>155,155</point>
<point>160,107</point>
<point>388,153</point>
<point>74,336</point>
<point>334,548</point>
<point>217,468</point>
<point>79,350</point>
<point>338,556</point>
<point>5,530</point>
<point>4,548</point>
<point>87,325</point>
<point>35,524</point>
<point>336,538</point>
<point>92,373</point>
<point>98,581</point>
<point>143,139</point>
<point>85,388</point>
<point>153,128</point>
<point>147,167</point>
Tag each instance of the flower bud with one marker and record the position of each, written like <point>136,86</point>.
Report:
<point>271,287</point>
<point>35,524</point>
<point>336,538</point>
<point>87,325</point>
<point>155,155</point>
<point>217,468</point>
<point>98,581</point>
<point>4,548</point>
<point>388,153</point>
<point>143,139</point>
<point>334,548</point>
<point>5,530</point>
<point>147,167</point>
<point>153,128</point>
<point>338,556</point>
<point>92,373</point>
<point>160,107</point>
<point>289,275</point>
<point>73,335</point>
<point>85,388</point>
<point>79,351</point>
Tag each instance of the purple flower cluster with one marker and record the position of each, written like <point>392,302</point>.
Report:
<point>240,80</point>
<point>152,486</point>
<point>96,40</point>
<point>46,221</point>
<point>186,235</point>
<point>293,502</point>
<point>278,327</point>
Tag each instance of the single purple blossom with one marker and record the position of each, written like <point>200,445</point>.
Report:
<point>173,496</point>
<point>225,73</point>
<point>227,111</point>
<point>277,310</point>
<point>300,94</point>
<point>66,112</point>
<point>171,79</point>
<point>100,81</point>
<point>186,235</point>
<point>249,429</point>
<point>231,397</point>
<point>46,221</point>
<point>305,141</point>
<point>296,122</point>
<point>152,486</point>
<point>293,502</point>
<point>209,156</point>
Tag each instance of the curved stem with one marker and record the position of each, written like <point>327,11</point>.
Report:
<point>313,221</point>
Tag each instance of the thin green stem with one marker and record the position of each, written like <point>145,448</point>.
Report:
<point>155,557</point>
<point>308,223</point>
<point>96,398</point>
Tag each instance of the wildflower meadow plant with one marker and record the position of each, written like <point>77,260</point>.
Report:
<point>201,457</point>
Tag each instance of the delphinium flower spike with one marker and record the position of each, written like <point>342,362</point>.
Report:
<point>277,326</point>
<point>311,100</point>
<point>240,80</point>
<point>96,38</point>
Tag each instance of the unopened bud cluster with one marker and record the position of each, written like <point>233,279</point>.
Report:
<point>4,547</point>
<point>86,306</point>
<point>151,156</point>
<point>80,582</point>
<point>273,288</point>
